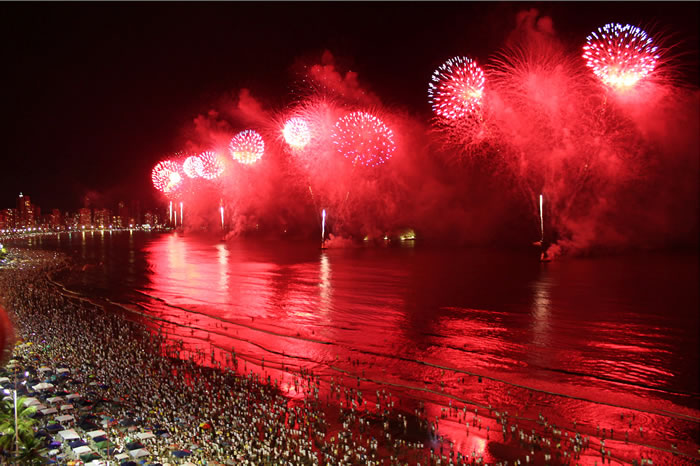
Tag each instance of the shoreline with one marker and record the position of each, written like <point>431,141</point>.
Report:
<point>310,395</point>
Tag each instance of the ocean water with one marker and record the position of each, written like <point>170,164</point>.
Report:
<point>582,339</point>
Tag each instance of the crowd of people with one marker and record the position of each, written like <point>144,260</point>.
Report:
<point>226,414</point>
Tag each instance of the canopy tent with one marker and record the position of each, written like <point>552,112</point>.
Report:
<point>90,457</point>
<point>66,407</point>
<point>31,402</point>
<point>54,427</point>
<point>77,443</point>
<point>121,456</point>
<point>104,444</point>
<point>139,453</point>
<point>42,386</point>
<point>96,433</point>
<point>65,418</point>
<point>134,445</point>
<point>54,399</point>
<point>62,370</point>
<point>48,411</point>
<point>72,396</point>
<point>144,435</point>
<point>82,450</point>
<point>68,434</point>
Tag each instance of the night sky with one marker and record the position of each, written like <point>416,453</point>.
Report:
<point>93,95</point>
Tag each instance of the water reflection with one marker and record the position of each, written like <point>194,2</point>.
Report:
<point>325,284</point>
<point>222,254</point>
<point>541,309</point>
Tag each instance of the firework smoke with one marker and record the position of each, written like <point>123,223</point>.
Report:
<point>544,126</point>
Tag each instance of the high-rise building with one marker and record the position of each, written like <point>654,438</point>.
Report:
<point>56,219</point>
<point>85,217</point>
<point>9,219</point>
<point>123,213</point>
<point>25,210</point>
<point>136,212</point>
<point>102,217</point>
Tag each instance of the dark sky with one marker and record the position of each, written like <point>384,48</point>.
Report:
<point>94,94</point>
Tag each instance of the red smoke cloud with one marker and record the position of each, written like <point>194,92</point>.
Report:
<point>615,171</point>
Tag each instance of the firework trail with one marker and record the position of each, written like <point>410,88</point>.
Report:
<point>546,115</point>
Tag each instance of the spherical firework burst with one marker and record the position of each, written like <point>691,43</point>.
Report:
<point>364,139</point>
<point>166,176</point>
<point>620,55</point>
<point>247,147</point>
<point>211,167</point>
<point>192,166</point>
<point>456,88</point>
<point>297,133</point>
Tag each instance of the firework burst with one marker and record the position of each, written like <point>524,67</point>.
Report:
<point>192,166</point>
<point>456,88</point>
<point>620,55</point>
<point>210,167</point>
<point>364,139</point>
<point>166,176</point>
<point>297,133</point>
<point>247,147</point>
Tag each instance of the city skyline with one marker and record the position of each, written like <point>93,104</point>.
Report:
<point>26,214</point>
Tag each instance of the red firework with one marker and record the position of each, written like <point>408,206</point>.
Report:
<point>364,139</point>
<point>620,55</point>
<point>211,167</point>
<point>192,165</point>
<point>297,133</point>
<point>456,88</point>
<point>247,147</point>
<point>166,176</point>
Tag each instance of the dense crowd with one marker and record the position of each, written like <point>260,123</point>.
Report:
<point>228,415</point>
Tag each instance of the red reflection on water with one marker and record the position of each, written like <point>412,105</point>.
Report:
<point>408,327</point>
